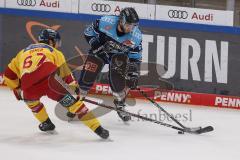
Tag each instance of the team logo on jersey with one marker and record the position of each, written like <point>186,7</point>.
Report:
<point>107,20</point>
<point>129,43</point>
<point>108,28</point>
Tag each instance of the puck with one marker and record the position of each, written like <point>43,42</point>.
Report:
<point>180,132</point>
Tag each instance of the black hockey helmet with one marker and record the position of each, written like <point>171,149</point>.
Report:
<point>129,15</point>
<point>49,34</point>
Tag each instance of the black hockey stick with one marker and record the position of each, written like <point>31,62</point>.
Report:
<point>181,130</point>
<point>197,130</point>
<point>72,93</point>
<point>134,115</point>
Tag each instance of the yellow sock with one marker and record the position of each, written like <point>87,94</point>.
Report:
<point>88,118</point>
<point>38,110</point>
<point>75,107</point>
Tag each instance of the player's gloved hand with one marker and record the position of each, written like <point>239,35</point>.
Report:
<point>82,94</point>
<point>18,94</point>
<point>109,46</point>
<point>133,75</point>
<point>103,49</point>
<point>132,81</point>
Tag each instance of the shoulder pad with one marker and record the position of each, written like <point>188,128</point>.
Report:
<point>39,45</point>
<point>107,24</point>
<point>109,20</point>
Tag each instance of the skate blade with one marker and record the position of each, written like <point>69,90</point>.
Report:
<point>70,120</point>
<point>106,140</point>
<point>127,123</point>
<point>54,132</point>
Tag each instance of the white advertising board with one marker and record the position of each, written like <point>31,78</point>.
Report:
<point>100,7</point>
<point>194,15</point>
<point>68,6</point>
<point>2,3</point>
<point>145,11</point>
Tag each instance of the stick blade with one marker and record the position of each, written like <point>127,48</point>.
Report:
<point>205,130</point>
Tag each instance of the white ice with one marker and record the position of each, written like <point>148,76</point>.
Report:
<point>21,139</point>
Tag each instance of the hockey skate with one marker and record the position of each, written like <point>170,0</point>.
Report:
<point>101,132</point>
<point>47,126</point>
<point>121,105</point>
<point>70,116</point>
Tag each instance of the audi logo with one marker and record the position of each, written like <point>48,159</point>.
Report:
<point>26,2</point>
<point>98,7</point>
<point>178,14</point>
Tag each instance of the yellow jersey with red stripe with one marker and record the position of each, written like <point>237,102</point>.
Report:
<point>33,64</point>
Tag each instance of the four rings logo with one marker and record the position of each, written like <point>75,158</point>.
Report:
<point>178,14</point>
<point>26,2</point>
<point>98,7</point>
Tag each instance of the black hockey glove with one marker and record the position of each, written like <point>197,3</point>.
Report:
<point>108,47</point>
<point>103,48</point>
<point>132,82</point>
<point>133,74</point>
<point>111,46</point>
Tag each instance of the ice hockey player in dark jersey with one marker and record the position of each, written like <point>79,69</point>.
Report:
<point>117,41</point>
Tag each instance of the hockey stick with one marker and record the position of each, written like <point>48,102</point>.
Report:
<point>134,115</point>
<point>181,130</point>
<point>71,92</point>
<point>197,130</point>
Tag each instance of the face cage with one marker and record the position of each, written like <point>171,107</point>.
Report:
<point>131,25</point>
<point>126,23</point>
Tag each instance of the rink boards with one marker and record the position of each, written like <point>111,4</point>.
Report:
<point>202,61</point>
<point>188,98</point>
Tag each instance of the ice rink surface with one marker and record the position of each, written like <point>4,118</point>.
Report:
<point>140,140</point>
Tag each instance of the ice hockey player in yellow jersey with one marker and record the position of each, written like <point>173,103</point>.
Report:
<point>31,75</point>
